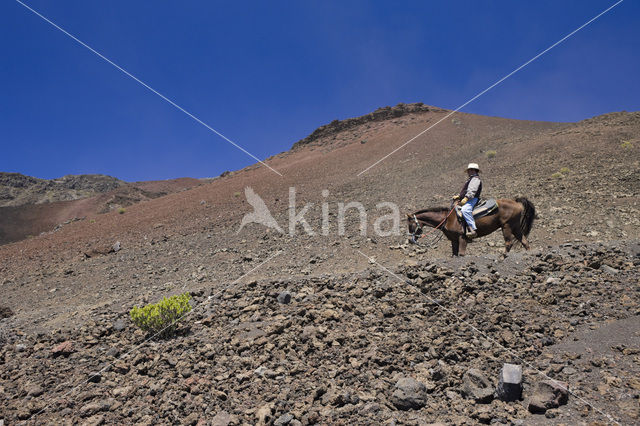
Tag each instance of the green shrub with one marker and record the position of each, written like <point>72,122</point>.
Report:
<point>121,210</point>
<point>564,170</point>
<point>491,154</point>
<point>626,144</point>
<point>557,175</point>
<point>236,194</point>
<point>161,318</point>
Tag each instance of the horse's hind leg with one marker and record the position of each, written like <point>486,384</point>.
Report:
<point>508,237</point>
<point>520,237</point>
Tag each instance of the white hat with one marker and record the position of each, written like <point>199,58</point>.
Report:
<point>473,166</point>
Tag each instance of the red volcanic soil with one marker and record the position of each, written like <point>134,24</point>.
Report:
<point>168,186</point>
<point>593,171</point>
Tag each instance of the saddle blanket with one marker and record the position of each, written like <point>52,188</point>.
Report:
<point>482,209</point>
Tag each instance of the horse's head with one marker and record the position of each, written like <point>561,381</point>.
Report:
<point>415,228</point>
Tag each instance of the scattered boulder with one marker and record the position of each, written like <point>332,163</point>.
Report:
<point>308,332</point>
<point>284,419</point>
<point>63,349</point>
<point>119,325</point>
<point>5,312</point>
<point>222,418</point>
<point>609,270</point>
<point>409,394</point>
<point>476,386</point>
<point>116,247</point>
<point>263,371</point>
<point>120,367</point>
<point>548,394</point>
<point>337,398</point>
<point>95,407</point>
<point>370,408</point>
<point>95,377</point>
<point>34,390</point>
<point>284,297</point>
<point>510,383</point>
<point>263,415</point>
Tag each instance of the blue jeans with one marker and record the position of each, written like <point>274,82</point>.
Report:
<point>467,210</point>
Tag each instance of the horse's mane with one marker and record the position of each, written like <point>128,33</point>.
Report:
<point>433,210</point>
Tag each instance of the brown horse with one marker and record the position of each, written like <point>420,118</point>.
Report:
<point>514,217</point>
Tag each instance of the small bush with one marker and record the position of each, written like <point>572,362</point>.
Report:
<point>236,194</point>
<point>161,318</point>
<point>557,175</point>
<point>491,154</point>
<point>564,170</point>
<point>121,210</point>
<point>626,144</point>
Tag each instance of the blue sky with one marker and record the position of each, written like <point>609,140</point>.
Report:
<point>266,74</point>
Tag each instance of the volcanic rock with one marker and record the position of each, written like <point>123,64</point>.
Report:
<point>476,386</point>
<point>409,394</point>
<point>222,418</point>
<point>5,312</point>
<point>34,390</point>
<point>284,297</point>
<point>548,394</point>
<point>63,349</point>
<point>284,419</point>
<point>95,407</point>
<point>263,415</point>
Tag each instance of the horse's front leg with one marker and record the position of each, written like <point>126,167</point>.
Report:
<point>455,246</point>
<point>462,242</point>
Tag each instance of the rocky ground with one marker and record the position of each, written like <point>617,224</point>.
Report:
<point>17,189</point>
<point>422,341</point>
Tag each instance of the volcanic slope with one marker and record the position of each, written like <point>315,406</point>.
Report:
<point>582,178</point>
<point>30,206</point>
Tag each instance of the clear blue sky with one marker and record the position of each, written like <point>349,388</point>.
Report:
<point>266,74</point>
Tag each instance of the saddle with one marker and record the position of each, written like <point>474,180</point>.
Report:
<point>482,209</point>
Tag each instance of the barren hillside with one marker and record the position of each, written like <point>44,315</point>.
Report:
<point>352,330</point>
<point>17,189</point>
<point>31,206</point>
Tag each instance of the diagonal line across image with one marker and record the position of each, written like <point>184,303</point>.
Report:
<point>489,338</point>
<point>149,338</point>
<point>145,85</point>
<point>491,87</point>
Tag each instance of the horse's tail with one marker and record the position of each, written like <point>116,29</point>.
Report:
<point>528,216</point>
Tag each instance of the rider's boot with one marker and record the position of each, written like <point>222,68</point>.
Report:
<point>471,233</point>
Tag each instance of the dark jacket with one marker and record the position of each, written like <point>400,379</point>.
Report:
<point>472,187</point>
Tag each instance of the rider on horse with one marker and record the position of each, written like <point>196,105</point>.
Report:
<point>469,197</point>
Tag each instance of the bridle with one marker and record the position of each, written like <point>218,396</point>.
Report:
<point>418,226</point>
<point>435,228</point>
